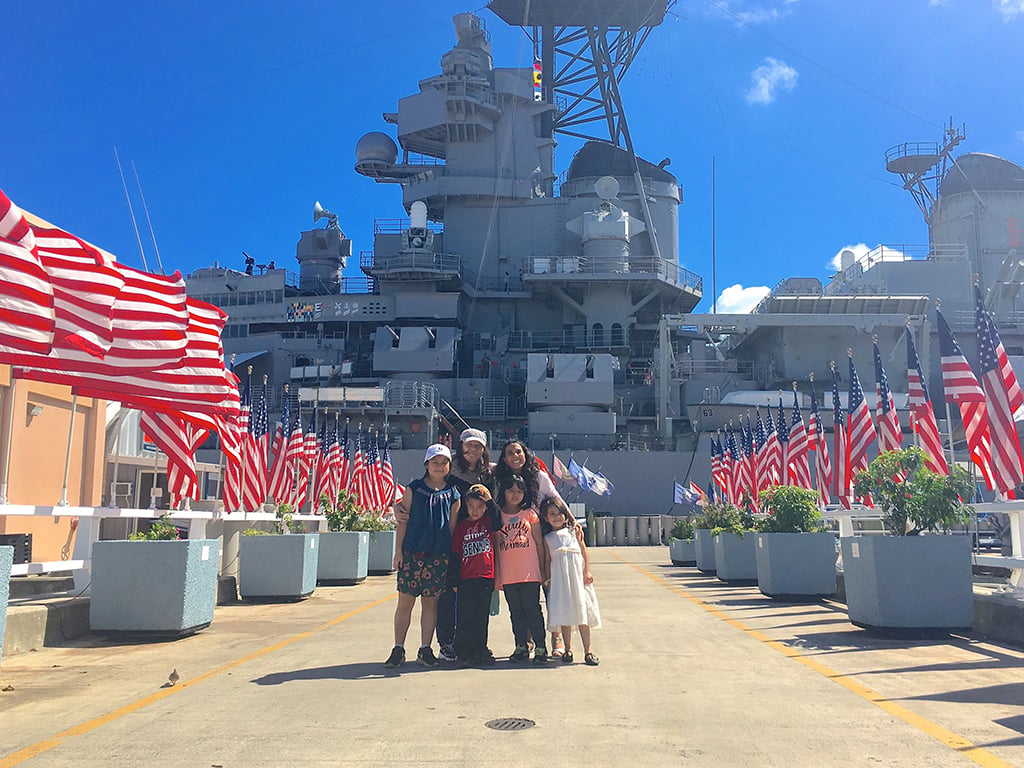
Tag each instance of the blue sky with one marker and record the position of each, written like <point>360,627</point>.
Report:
<point>239,116</point>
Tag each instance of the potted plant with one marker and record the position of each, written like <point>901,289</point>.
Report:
<point>154,583</point>
<point>681,548</point>
<point>796,556</point>
<point>344,551</point>
<point>711,516</point>
<point>735,562</point>
<point>913,577</point>
<point>279,565</point>
<point>6,561</point>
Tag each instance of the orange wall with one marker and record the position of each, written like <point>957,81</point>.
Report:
<point>38,447</point>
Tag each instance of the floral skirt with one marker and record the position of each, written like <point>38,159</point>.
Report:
<point>423,573</point>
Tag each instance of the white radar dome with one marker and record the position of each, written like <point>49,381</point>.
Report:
<point>376,147</point>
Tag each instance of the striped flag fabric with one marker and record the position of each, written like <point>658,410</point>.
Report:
<point>254,471</point>
<point>1003,399</point>
<point>718,470</point>
<point>355,480</point>
<point>233,470</point>
<point>842,478</point>
<point>562,472</point>
<point>818,443</point>
<point>761,454</point>
<point>179,440</point>
<point>773,451</point>
<point>371,472</point>
<point>782,434</point>
<point>280,482</point>
<point>890,434</point>
<point>922,415</point>
<point>961,387</point>
<point>860,427</point>
<point>344,463</point>
<point>27,317</point>
<point>799,466</point>
<point>182,484</point>
<point>388,486</point>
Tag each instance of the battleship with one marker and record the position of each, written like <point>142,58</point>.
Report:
<point>551,306</point>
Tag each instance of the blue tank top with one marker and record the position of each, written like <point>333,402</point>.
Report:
<point>429,514</point>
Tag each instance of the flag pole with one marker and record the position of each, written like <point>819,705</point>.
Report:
<point>8,438</point>
<point>156,475</point>
<point>315,461</point>
<point>67,453</point>
<point>112,501</point>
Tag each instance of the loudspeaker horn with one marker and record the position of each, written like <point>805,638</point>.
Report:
<point>319,212</point>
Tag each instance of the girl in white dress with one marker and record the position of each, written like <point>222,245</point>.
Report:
<point>572,601</point>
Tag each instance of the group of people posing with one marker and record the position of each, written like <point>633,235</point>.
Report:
<point>470,526</point>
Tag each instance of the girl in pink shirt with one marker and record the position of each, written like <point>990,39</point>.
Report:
<point>520,568</point>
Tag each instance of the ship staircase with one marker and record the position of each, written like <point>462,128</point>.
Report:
<point>450,418</point>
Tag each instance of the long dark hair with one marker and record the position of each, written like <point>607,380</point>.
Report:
<point>512,481</point>
<point>486,473</point>
<point>555,501</point>
<point>529,472</point>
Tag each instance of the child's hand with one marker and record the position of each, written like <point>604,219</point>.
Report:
<point>588,577</point>
<point>401,515</point>
<point>397,562</point>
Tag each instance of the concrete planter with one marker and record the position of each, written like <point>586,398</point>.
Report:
<point>682,551</point>
<point>796,566</point>
<point>705,550</point>
<point>343,557</point>
<point>278,567</point>
<point>382,553</point>
<point>6,561</point>
<point>153,587</point>
<point>735,561</point>
<point>909,582</point>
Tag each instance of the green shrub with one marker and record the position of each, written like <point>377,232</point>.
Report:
<point>723,518</point>
<point>790,510</point>
<point>255,532</point>
<point>160,529</point>
<point>682,529</point>
<point>910,494</point>
<point>347,515</point>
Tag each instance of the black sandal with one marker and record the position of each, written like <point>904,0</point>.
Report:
<point>567,657</point>
<point>592,660</point>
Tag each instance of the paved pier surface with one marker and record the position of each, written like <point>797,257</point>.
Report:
<point>693,672</point>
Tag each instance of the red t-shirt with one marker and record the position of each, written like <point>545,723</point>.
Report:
<point>473,540</point>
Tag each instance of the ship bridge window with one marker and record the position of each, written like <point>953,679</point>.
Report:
<point>1015,351</point>
<point>598,335</point>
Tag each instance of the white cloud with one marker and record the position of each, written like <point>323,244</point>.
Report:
<point>867,257</point>
<point>1010,8</point>
<point>737,300</point>
<point>746,14</point>
<point>773,75</point>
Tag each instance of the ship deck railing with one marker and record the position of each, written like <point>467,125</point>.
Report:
<point>632,264</point>
<point>896,252</point>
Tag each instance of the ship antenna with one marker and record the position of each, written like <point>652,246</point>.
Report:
<point>131,212</point>
<point>138,183</point>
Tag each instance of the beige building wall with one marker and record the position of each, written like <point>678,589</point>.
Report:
<point>38,440</point>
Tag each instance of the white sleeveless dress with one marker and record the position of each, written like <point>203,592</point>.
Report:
<point>570,601</point>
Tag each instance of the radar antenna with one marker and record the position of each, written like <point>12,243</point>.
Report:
<point>923,164</point>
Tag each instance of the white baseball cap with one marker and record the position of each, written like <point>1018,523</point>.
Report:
<point>437,450</point>
<point>473,435</point>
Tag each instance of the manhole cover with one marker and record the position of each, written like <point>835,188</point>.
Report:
<point>510,724</point>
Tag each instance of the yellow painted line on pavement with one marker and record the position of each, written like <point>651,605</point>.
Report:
<point>936,731</point>
<point>17,758</point>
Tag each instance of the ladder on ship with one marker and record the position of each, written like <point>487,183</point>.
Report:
<point>450,418</point>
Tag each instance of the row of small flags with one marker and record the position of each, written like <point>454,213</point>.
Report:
<point>579,476</point>
<point>777,450</point>
<point>299,464</point>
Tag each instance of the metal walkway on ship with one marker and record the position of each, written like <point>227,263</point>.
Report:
<point>693,672</point>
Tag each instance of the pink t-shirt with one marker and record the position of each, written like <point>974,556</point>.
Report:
<point>518,558</point>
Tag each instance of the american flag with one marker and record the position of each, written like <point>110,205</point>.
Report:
<point>922,416</point>
<point>822,462</point>
<point>773,451</point>
<point>961,387</point>
<point>322,466</point>
<point>281,477</point>
<point>233,471</point>
<point>27,321</point>
<point>890,434</point>
<point>254,471</point>
<point>342,462</point>
<point>371,473</point>
<point>179,440</point>
<point>355,480</point>
<point>861,429</point>
<point>842,478</point>
<point>735,465</point>
<point>750,458</point>
<point>387,476</point>
<point>741,464</point>
<point>181,483</point>
<point>782,434</point>
<point>799,467</point>
<point>1004,400</point>
<point>764,479</point>
<point>719,472</point>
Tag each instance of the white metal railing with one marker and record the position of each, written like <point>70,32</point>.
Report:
<point>80,563</point>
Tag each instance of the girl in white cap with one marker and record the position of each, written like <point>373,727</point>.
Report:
<point>423,541</point>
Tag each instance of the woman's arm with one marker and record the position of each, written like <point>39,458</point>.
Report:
<point>538,539</point>
<point>402,509</point>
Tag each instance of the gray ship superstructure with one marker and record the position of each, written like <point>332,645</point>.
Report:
<point>553,307</point>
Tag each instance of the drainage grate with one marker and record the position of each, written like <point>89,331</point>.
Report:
<point>510,724</point>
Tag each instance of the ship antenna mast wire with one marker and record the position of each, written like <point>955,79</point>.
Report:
<point>131,211</point>
<point>145,208</point>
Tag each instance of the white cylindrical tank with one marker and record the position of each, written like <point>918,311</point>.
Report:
<point>846,259</point>
<point>631,531</point>
<point>619,530</point>
<point>604,530</point>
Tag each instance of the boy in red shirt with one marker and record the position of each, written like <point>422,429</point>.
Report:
<point>471,573</point>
